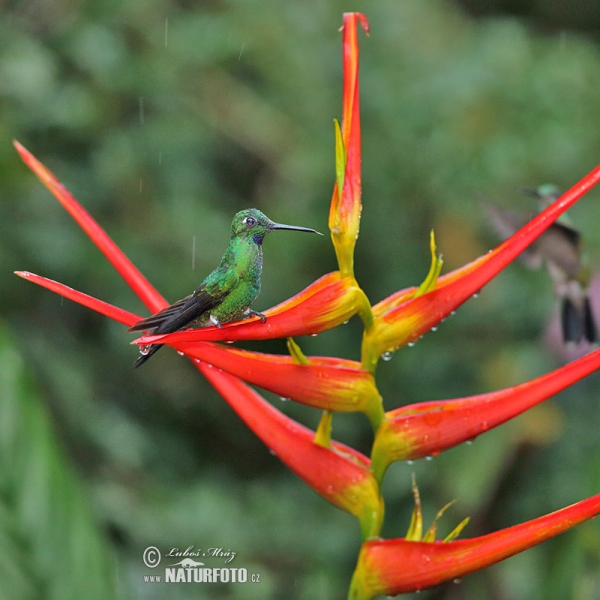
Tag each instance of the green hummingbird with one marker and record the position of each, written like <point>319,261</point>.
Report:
<point>559,248</point>
<point>228,292</point>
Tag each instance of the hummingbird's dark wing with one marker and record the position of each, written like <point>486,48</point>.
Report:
<point>506,223</point>
<point>178,314</point>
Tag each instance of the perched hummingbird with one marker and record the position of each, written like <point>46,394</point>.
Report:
<point>229,291</point>
<point>559,248</point>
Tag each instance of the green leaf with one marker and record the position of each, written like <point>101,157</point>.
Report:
<point>435,268</point>
<point>50,546</point>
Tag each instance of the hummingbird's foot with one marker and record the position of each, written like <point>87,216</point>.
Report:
<point>215,321</point>
<point>253,313</point>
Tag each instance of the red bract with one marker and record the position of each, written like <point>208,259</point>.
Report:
<point>344,476</point>
<point>108,310</point>
<point>344,214</point>
<point>339,473</point>
<point>389,567</point>
<point>428,428</point>
<point>327,383</point>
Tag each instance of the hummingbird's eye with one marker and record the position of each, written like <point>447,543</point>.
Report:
<point>250,221</point>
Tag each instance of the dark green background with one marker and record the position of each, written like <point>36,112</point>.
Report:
<point>164,119</point>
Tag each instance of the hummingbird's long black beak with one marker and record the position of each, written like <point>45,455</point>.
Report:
<point>531,192</point>
<point>275,226</point>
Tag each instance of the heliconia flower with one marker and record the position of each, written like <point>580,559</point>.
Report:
<point>338,473</point>
<point>344,214</point>
<point>325,382</point>
<point>398,566</point>
<point>428,428</point>
<point>326,303</point>
<point>403,317</point>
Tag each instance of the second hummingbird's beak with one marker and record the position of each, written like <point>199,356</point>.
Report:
<point>532,192</point>
<point>275,226</point>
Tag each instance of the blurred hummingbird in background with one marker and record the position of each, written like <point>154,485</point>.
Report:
<point>560,249</point>
<point>228,292</point>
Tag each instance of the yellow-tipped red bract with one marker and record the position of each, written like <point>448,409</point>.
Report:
<point>397,566</point>
<point>345,209</point>
<point>325,382</point>
<point>338,473</point>
<point>428,428</point>
<point>342,475</point>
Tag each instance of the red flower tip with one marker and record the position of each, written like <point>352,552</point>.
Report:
<point>108,310</point>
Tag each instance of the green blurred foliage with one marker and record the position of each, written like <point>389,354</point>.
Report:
<point>49,542</point>
<point>164,119</point>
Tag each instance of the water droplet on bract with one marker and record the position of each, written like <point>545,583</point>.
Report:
<point>180,353</point>
<point>434,329</point>
<point>144,350</point>
<point>411,344</point>
<point>387,356</point>
<point>283,399</point>
<point>229,341</point>
<point>313,335</point>
<point>197,361</point>
<point>346,322</point>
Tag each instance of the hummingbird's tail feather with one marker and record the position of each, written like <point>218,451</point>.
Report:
<point>160,318</point>
<point>174,317</point>
<point>578,322</point>
<point>144,357</point>
<point>591,330</point>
